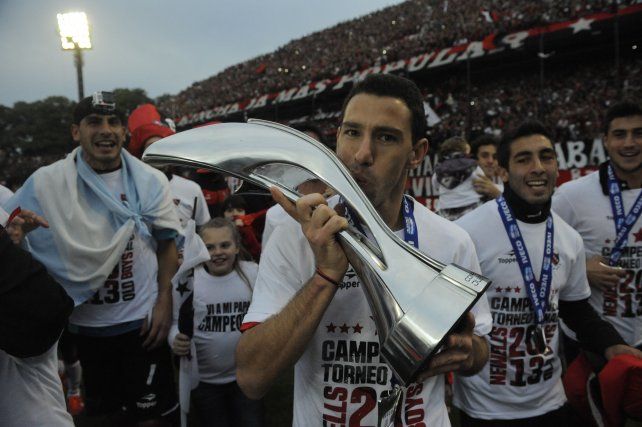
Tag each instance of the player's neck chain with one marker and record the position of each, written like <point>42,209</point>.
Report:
<point>524,211</point>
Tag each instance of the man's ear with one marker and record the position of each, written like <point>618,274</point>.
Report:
<point>75,132</point>
<point>503,174</point>
<point>419,151</point>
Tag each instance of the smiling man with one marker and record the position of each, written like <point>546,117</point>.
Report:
<point>308,309</point>
<point>605,208</point>
<point>111,245</point>
<point>537,265</point>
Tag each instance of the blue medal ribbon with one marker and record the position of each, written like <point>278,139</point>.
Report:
<point>623,224</point>
<point>410,234</point>
<point>538,292</point>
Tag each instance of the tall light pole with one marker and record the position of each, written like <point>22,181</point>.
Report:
<point>74,35</point>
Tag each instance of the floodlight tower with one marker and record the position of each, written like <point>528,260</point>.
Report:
<point>74,35</point>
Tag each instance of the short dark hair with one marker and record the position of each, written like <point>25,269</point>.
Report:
<point>454,144</point>
<point>624,108</point>
<point>480,141</point>
<point>527,128</point>
<point>394,87</point>
<point>234,201</point>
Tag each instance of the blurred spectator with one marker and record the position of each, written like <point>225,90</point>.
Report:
<point>393,33</point>
<point>484,150</point>
<point>453,179</point>
<point>234,209</point>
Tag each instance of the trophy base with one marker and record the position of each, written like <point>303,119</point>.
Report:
<point>420,332</point>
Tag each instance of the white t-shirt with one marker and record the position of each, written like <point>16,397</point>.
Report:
<point>5,194</point>
<point>340,376</point>
<point>31,392</point>
<point>184,192</point>
<point>585,207</point>
<point>219,306</point>
<point>131,289</point>
<point>462,195</point>
<point>517,382</point>
<point>274,217</point>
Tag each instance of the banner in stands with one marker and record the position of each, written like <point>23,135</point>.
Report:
<point>557,36</point>
<point>575,158</point>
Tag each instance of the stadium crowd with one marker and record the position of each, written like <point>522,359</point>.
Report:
<point>574,98</point>
<point>150,276</point>
<point>393,33</point>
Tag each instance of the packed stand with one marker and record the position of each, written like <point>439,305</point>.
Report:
<point>393,33</point>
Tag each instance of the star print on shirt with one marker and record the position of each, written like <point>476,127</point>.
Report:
<point>344,328</point>
<point>517,289</point>
<point>508,289</point>
<point>357,328</point>
<point>498,289</point>
<point>182,288</point>
<point>331,327</point>
<point>638,236</point>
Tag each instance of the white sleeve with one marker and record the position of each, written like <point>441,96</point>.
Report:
<point>563,207</point>
<point>202,213</point>
<point>4,216</point>
<point>287,263</point>
<point>251,270</point>
<point>576,286</point>
<point>467,258</point>
<point>267,229</point>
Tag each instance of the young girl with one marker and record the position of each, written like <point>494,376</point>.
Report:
<point>222,290</point>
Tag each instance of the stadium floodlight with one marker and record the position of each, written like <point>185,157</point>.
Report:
<point>73,28</point>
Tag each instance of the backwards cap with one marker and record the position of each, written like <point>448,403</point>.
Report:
<point>102,103</point>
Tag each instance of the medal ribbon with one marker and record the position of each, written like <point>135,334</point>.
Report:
<point>410,234</point>
<point>538,292</point>
<point>623,224</point>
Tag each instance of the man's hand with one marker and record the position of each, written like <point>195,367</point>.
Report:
<point>600,275</point>
<point>616,350</point>
<point>483,185</point>
<point>160,323</point>
<point>459,353</point>
<point>320,224</point>
<point>24,222</point>
<point>181,345</point>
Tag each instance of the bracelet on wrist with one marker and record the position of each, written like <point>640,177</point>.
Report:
<point>328,278</point>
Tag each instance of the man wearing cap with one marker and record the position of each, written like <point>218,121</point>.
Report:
<point>111,245</point>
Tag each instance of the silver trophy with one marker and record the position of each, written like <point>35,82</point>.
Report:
<point>415,300</point>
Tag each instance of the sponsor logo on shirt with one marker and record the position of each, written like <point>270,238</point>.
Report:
<point>509,258</point>
<point>350,280</point>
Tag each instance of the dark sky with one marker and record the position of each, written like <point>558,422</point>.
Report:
<point>158,45</point>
